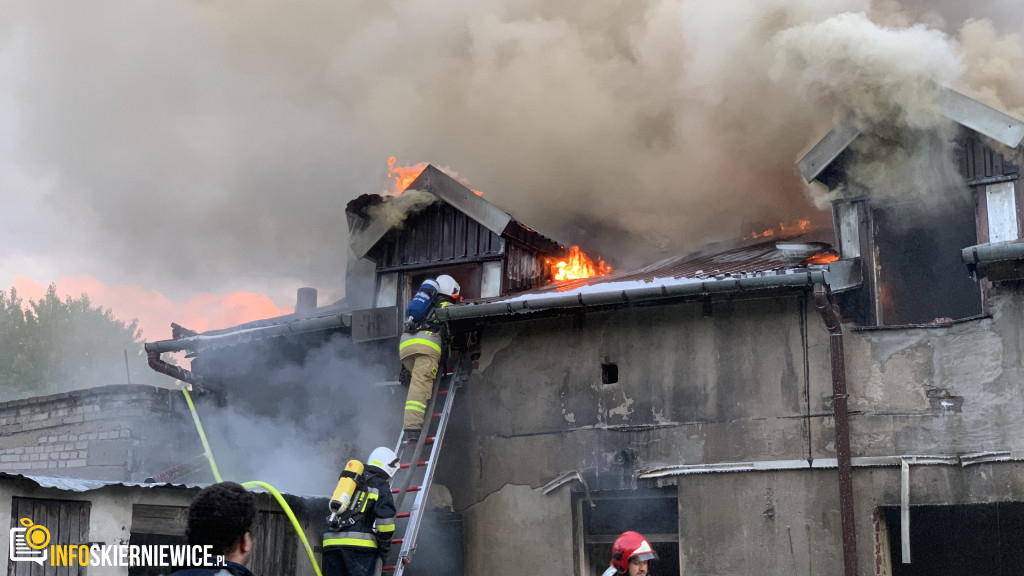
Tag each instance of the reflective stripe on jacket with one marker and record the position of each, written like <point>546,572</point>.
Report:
<point>419,343</point>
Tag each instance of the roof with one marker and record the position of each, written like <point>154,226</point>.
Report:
<point>87,485</point>
<point>955,106</point>
<point>334,317</point>
<point>449,190</point>
<point>754,265</point>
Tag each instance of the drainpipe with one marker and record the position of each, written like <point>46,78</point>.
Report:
<point>176,372</point>
<point>830,314</point>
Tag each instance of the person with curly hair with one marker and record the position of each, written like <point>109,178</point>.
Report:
<point>221,517</point>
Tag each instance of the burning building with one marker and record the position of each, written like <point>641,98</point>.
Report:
<point>808,401</point>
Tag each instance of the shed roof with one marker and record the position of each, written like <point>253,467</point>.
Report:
<point>756,264</point>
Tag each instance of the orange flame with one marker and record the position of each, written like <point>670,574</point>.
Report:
<point>821,258</point>
<point>578,266</point>
<point>798,226</point>
<point>403,176</point>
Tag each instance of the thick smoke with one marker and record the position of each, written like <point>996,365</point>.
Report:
<point>294,424</point>
<point>219,142</point>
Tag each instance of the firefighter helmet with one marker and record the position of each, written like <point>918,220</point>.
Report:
<point>448,286</point>
<point>628,546</point>
<point>385,459</point>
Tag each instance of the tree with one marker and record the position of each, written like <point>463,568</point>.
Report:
<point>53,345</point>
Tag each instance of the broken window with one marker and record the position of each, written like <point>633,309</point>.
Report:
<point>967,540</point>
<point>918,275</point>
<point>67,522</point>
<point>655,514</point>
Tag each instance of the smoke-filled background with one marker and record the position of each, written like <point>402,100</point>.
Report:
<point>181,149</point>
<point>192,146</point>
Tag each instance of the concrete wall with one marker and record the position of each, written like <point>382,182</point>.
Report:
<point>108,433</point>
<point>749,382</point>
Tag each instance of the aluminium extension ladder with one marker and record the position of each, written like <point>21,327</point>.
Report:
<point>419,474</point>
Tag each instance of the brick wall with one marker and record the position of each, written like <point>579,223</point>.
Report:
<point>123,432</point>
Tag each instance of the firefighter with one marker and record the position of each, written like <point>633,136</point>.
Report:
<point>420,347</point>
<point>360,536</point>
<point>631,554</point>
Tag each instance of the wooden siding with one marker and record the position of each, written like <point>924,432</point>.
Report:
<point>438,235</point>
<point>68,523</point>
<point>274,545</point>
<point>524,268</point>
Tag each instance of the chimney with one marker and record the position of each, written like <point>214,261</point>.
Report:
<point>305,302</point>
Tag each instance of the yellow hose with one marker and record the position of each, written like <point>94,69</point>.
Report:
<point>248,485</point>
<point>202,435</point>
<point>291,516</point>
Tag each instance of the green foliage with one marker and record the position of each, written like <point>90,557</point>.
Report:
<point>52,345</point>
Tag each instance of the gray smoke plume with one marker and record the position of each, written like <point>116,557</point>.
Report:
<point>212,146</point>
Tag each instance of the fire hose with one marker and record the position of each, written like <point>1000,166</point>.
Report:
<point>253,484</point>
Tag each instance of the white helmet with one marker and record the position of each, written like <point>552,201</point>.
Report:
<point>448,285</point>
<point>385,459</point>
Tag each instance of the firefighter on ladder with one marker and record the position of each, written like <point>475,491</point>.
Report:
<point>631,555</point>
<point>362,520</point>
<point>420,347</point>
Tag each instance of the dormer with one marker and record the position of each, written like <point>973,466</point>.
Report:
<point>438,226</point>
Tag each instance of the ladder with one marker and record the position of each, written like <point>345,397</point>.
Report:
<point>419,474</point>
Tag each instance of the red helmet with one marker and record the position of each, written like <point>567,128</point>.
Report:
<point>628,546</point>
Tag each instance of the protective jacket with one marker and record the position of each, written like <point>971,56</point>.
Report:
<point>373,524</point>
<point>419,314</point>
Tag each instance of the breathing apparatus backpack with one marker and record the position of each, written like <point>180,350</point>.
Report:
<point>349,496</point>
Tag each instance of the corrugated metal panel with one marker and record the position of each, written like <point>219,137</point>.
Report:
<point>754,257</point>
<point>439,234</point>
<point>524,268</point>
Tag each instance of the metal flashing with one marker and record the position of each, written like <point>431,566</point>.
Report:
<point>983,119</point>
<point>828,149</point>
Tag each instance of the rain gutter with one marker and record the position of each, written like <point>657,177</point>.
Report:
<point>830,314</point>
<point>203,341</point>
<point>594,297</point>
<point>984,253</point>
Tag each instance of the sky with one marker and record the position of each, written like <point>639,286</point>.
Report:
<point>190,161</point>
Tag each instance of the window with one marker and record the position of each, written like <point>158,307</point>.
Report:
<point>66,520</point>
<point>968,540</point>
<point>655,514</point>
<point>1002,212</point>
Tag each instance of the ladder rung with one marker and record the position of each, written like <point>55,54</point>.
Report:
<point>428,441</point>
<point>397,540</point>
<point>411,489</point>
<point>406,466</point>
<point>388,569</point>
<point>403,514</point>
<point>435,415</point>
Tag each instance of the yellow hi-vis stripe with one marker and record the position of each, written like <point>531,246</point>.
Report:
<point>423,341</point>
<point>385,526</point>
<point>416,406</point>
<point>350,542</point>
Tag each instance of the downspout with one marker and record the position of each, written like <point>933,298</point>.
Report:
<point>176,372</point>
<point>830,314</point>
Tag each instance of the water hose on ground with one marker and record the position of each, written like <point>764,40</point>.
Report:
<point>254,484</point>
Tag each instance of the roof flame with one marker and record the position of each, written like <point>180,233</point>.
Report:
<point>821,258</point>
<point>578,266</point>
<point>802,225</point>
<point>403,177</point>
